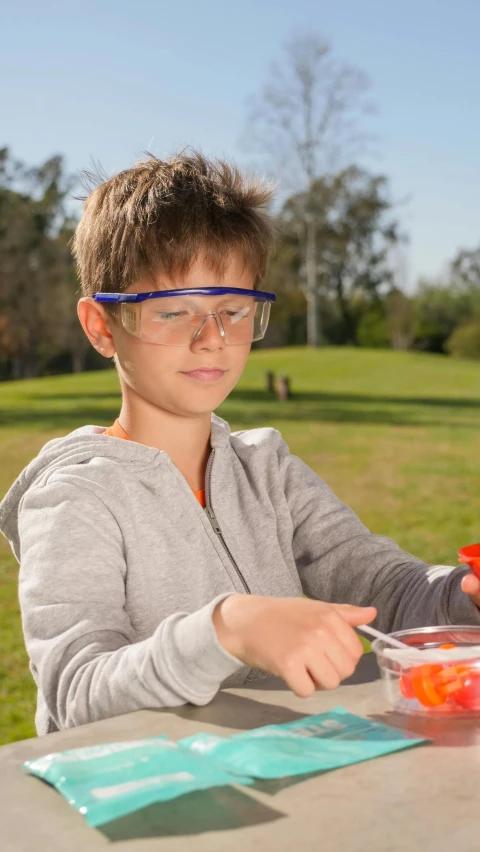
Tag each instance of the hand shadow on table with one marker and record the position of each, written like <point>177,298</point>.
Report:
<point>236,712</point>
<point>241,713</point>
<point>366,671</point>
<point>216,809</point>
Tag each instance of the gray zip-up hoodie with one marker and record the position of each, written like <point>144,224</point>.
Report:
<point>121,568</point>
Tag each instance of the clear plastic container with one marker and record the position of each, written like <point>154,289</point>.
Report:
<point>434,687</point>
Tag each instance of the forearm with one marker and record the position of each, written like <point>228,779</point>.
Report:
<point>369,570</point>
<point>95,677</point>
<point>339,560</point>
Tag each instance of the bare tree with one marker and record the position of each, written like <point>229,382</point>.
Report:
<point>465,269</point>
<point>305,121</point>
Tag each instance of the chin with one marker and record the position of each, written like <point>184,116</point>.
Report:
<point>203,404</point>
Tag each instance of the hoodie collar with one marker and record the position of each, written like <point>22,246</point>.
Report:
<point>80,446</point>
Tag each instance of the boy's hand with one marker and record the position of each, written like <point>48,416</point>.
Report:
<point>471,585</point>
<point>310,644</point>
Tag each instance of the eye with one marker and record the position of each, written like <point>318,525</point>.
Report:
<point>169,316</point>
<point>238,313</point>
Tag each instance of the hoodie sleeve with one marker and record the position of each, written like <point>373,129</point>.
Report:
<point>340,560</point>
<point>78,635</point>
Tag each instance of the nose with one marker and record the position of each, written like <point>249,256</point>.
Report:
<point>208,335</point>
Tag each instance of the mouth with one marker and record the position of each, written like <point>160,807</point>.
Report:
<point>205,374</point>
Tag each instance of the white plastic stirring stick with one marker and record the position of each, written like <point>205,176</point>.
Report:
<point>436,655</point>
<point>386,638</point>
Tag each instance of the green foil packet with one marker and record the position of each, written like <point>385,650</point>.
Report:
<point>107,781</point>
<point>314,743</point>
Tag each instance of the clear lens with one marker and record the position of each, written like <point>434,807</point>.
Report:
<point>174,322</point>
<point>131,318</point>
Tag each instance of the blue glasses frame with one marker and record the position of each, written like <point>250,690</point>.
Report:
<point>260,295</point>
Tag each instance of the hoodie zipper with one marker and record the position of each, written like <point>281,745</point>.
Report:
<point>215,525</point>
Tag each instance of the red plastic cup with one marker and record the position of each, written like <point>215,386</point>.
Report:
<point>470,555</point>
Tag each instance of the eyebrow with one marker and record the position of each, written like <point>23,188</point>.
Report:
<point>227,297</point>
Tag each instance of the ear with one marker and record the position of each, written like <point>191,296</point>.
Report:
<point>96,325</point>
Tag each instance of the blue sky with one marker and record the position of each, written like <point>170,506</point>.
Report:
<point>110,79</point>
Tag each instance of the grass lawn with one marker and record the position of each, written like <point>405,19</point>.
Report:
<point>395,434</point>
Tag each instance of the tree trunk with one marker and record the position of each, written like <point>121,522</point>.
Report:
<point>31,368</point>
<point>313,330</point>
<point>347,317</point>
<point>17,368</point>
<point>78,360</point>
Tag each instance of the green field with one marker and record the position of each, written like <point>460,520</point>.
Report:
<point>395,434</point>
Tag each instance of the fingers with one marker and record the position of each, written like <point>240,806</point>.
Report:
<point>330,657</point>
<point>337,649</point>
<point>326,668</point>
<point>346,636</point>
<point>298,679</point>
<point>304,676</point>
<point>356,615</point>
<point>471,584</point>
<point>324,671</point>
<point>314,644</point>
<point>342,659</point>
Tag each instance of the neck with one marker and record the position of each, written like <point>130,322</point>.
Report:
<point>185,439</point>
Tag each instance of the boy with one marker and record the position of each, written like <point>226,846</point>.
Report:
<point>164,557</point>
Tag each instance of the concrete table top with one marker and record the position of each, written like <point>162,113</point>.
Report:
<point>424,799</point>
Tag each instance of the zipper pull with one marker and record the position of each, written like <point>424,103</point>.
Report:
<point>211,517</point>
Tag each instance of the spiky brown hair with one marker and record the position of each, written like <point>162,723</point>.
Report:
<point>159,215</point>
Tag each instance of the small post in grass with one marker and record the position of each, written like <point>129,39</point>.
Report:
<point>270,380</point>
<point>283,388</point>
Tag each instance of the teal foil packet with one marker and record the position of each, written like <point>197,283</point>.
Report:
<point>107,781</point>
<point>314,743</point>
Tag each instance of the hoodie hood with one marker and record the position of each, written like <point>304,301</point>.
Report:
<point>77,447</point>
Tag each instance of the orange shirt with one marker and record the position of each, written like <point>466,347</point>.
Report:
<point>116,431</point>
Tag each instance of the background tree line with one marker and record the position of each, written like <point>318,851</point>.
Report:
<point>39,329</point>
<point>336,267</point>
<point>359,298</point>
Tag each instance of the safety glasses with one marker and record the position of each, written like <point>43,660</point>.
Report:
<point>177,317</point>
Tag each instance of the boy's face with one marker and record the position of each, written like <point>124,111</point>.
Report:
<point>162,375</point>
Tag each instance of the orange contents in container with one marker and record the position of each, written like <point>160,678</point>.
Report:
<point>435,684</point>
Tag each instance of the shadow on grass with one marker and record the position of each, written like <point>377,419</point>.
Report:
<point>69,397</point>
<point>246,407</point>
<point>350,408</point>
<point>314,396</point>
<point>49,419</point>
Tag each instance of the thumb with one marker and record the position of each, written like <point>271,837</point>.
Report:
<point>355,615</point>
<point>471,586</point>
